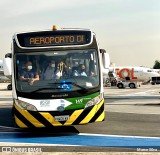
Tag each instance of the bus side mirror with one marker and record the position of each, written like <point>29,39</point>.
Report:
<point>7,65</point>
<point>105,58</point>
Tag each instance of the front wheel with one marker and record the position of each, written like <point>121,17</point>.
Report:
<point>132,85</point>
<point>13,117</point>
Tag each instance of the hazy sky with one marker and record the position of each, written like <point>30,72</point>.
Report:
<point>128,29</point>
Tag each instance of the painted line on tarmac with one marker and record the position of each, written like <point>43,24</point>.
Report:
<point>18,144</point>
<point>89,134</point>
<point>7,127</point>
<point>131,97</point>
<point>6,99</point>
<point>80,139</point>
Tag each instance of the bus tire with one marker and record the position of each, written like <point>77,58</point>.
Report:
<point>13,117</point>
<point>16,126</point>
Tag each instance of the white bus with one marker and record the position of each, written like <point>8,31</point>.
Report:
<point>66,97</point>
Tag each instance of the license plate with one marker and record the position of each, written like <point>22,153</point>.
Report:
<point>61,118</point>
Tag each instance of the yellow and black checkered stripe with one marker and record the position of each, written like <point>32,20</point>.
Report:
<point>33,119</point>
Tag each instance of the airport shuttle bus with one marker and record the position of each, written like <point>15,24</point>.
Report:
<point>68,96</point>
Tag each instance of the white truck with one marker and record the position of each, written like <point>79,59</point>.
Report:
<point>128,83</point>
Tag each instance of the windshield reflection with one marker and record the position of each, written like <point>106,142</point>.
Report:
<point>57,71</point>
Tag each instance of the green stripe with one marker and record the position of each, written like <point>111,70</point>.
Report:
<point>80,102</point>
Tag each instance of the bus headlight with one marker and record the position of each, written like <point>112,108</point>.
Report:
<point>94,101</point>
<point>25,106</point>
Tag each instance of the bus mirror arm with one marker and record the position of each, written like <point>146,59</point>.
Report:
<point>8,55</point>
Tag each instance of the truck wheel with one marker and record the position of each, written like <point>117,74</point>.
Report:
<point>132,85</point>
<point>9,87</point>
<point>120,85</point>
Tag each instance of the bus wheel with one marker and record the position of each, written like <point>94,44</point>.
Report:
<point>120,85</point>
<point>13,112</point>
<point>13,118</point>
<point>132,85</point>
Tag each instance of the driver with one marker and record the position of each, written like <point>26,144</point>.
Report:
<point>28,74</point>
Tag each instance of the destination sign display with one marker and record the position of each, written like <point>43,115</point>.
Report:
<point>55,40</point>
<point>42,39</point>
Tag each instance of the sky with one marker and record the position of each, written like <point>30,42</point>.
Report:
<point>129,30</point>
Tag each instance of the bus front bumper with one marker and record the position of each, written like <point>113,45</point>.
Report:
<point>38,119</point>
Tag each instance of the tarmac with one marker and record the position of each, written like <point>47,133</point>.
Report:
<point>144,92</point>
<point>148,92</point>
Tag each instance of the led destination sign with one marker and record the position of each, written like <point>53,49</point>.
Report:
<point>55,40</point>
<point>43,39</point>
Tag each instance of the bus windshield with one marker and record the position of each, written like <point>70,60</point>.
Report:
<point>57,71</point>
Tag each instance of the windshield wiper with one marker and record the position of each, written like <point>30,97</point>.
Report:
<point>44,89</point>
<point>74,84</point>
<point>59,87</point>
